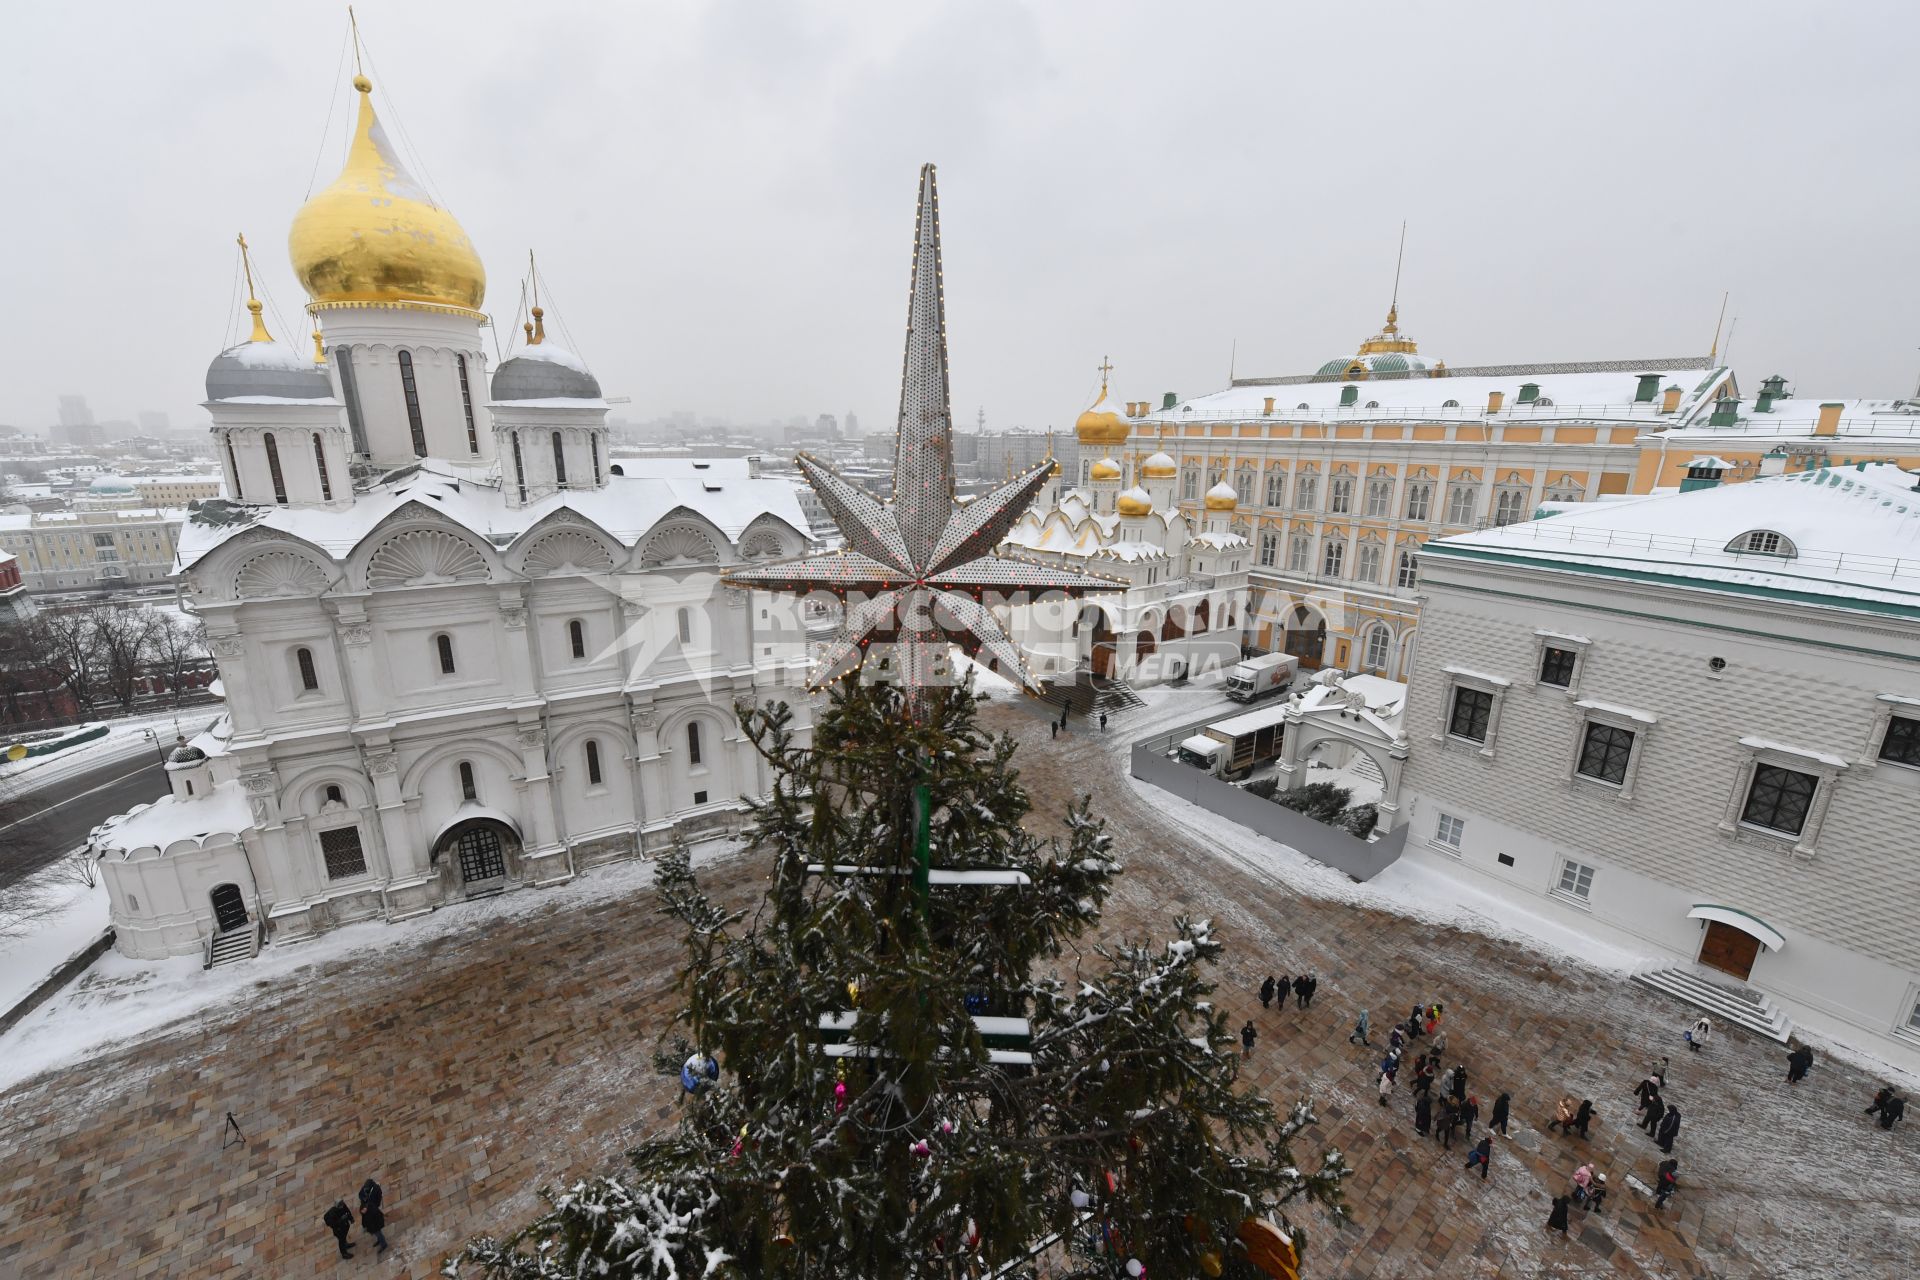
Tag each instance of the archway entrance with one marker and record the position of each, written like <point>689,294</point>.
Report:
<point>229,909</point>
<point>1306,637</point>
<point>479,850</point>
<point>1097,641</point>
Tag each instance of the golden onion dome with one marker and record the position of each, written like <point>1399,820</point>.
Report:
<point>1160,466</point>
<point>375,235</point>
<point>1222,497</point>
<point>1101,426</point>
<point>1105,469</point>
<point>1135,502</point>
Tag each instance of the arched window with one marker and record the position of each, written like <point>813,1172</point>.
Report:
<point>412,393</point>
<point>443,645</point>
<point>1408,574</point>
<point>559,461</point>
<point>593,763</point>
<point>1764,542</point>
<point>686,626</point>
<point>273,469</point>
<point>332,795</point>
<point>320,461</point>
<point>468,791</point>
<point>594,441</point>
<point>1379,647</point>
<point>466,403</point>
<point>577,637</point>
<point>693,742</point>
<point>309,677</point>
<point>233,465</point>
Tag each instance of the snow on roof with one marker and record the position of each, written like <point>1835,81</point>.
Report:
<point>1220,541</point>
<point>1223,490</point>
<point>172,819</point>
<point>269,355</point>
<point>552,354</point>
<point>1604,395</point>
<point>1853,534</point>
<point>1131,552</point>
<point>1375,701</point>
<point>724,492</point>
<point>1795,418</point>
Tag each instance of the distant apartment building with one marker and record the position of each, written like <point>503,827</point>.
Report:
<point>91,550</point>
<point>174,491</point>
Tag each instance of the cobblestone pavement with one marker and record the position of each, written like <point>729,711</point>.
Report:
<point>466,1072</point>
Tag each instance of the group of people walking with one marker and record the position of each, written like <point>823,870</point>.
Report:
<point>1302,986</point>
<point>339,1219</point>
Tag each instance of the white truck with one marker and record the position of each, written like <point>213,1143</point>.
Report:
<point>1231,748</point>
<point>1258,677</point>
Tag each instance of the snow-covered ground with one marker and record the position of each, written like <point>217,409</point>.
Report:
<point>119,1000</point>
<point>75,916</point>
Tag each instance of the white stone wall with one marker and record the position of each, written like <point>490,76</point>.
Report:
<point>436,340</point>
<point>1846,901</point>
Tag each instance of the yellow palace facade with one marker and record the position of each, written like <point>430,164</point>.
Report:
<point>1342,474</point>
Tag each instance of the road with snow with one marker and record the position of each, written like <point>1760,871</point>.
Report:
<point>54,818</point>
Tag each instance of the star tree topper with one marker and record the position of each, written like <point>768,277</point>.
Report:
<point>917,570</point>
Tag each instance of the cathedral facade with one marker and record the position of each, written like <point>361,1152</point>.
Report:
<point>461,650</point>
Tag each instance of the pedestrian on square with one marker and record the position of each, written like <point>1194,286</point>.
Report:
<point>1881,1099</point>
<point>1360,1031</point>
<point>1658,1073</point>
<point>1313,986</point>
<point>1653,1084</point>
<point>1469,1112</point>
<point>1460,1082</point>
<point>1598,1196</point>
<point>1439,1045</point>
<point>1054,726</point>
<point>1482,1155</point>
<point>1423,1073</point>
<point>1386,1087</point>
<point>1798,1063</point>
<point>1415,1021</point>
<point>1582,1180</point>
<point>1557,1220</point>
<point>1280,991</point>
<point>1497,1122</point>
<point>1563,1113</point>
<point>1665,1182</point>
<point>1449,1121</point>
<point>1699,1033</point>
<point>1247,1035</point>
<point>1891,1113</point>
<point>1669,1129</point>
<point>1583,1117</point>
<point>1446,1083</point>
<point>339,1220</point>
<point>1266,993</point>
<point>1396,1039</point>
<point>1390,1066</point>
<point>1422,1114</point>
<point>1300,990</point>
<point>1103,722</point>
<point>372,1219</point>
<point>1656,1110</point>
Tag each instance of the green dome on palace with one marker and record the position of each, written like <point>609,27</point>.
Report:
<point>1336,366</point>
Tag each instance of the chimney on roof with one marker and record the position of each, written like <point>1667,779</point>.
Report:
<point>1670,399</point>
<point>1348,394</point>
<point>1829,421</point>
<point>1169,400</point>
<point>1703,473</point>
<point>1529,392</point>
<point>1649,388</point>
<point>1771,389</point>
<point>1268,411</point>
<point>1494,400</point>
<point>1726,411</point>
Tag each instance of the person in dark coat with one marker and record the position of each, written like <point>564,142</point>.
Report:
<point>1665,1182</point>
<point>1798,1063</point>
<point>1053,728</point>
<point>1891,1113</point>
<point>1423,1074</point>
<point>339,1220</point>
<point>1300,990</point>
<point>1669,1129</point>
<point>1396,1039</point>
<point>1597,1196</point>
<point>1646,1089</point>
<point>1313,986</point>
<point>1422,1114</point>
<point>1103,722</point>
<point>1881,1099</point>
<point>1469,1112</point>
<point>1460,1082</point>
<point>1449,1122</point>
<point>1266,993</point>
<point>1497,1122</point>
<point>372,1220</point>
<point>1280,992</point>
<point>1656,1109</point>
<point>1415,1021</point>
<point>1584,1116</point>
<point>1247,1035</point>
<point>1557,1220</point>
<point>1483,1156</point>
<point>1390,1067</point>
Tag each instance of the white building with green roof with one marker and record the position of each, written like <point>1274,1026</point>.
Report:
<point>1689,724</point>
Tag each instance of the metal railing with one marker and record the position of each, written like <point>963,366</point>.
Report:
<point>1804,563</point>
<point>1439,415</point>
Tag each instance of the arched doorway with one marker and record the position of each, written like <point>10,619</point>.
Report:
<point>1306,637</point>
<point>479,850</point>
<point>229,909</point>
<point>1097,642</point>
<point>1144,644</point>
<point>1200,618</point>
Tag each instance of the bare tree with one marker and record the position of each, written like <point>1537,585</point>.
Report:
<point>124,642</point>
<point>179,646</point>
<point>68,649</point>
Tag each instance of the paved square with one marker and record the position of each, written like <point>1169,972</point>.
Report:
<point>467,1071</point>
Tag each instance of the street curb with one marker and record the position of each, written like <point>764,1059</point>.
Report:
<point>70,968</point>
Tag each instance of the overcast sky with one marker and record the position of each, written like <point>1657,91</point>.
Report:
<point>721,193</point>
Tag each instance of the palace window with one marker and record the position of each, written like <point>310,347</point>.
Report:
<point>519,468</point>
<point>685,619</point>
<point>1269,548</point>
<point>468,791</point>
<point>1407,576</point>
<point>309,677</point>
<point>1298,552</point>
<point>1509,506</point>
<point>466,403</point>
<point>693,742</point>
<point>1576,879</point>
<point>1448,829</point>
<point>1243,482</point>
<point>1334,558</point>
<point>577,637</point>
<point>1379,647</point>
<point>593,763</point>
<point>594,442</point>
<point>1901,743</point>
<point>1340,496</point>
<point>1605,753</point>
<point>1276,488</point>
<point>332,795</point>
<point>273,469</point>
<point>1565,489</point>
<point>1460,504</point>
<point>320,463</point>
<point>1379,497</point>
<point>1306,493</point>
<point>1366,566</point>
<point>1556,667</point>
<point>1189,483</point>
<point>411,390</point>
<point>1778,799</point>
<point>340,848</point>
<point>443,647</point>
<point>559,461</point>
<point>1472,712</point>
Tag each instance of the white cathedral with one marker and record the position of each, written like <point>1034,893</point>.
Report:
<point>461,650</point>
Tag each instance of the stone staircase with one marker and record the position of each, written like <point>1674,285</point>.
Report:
<point>1724,1002</point>
<point>230,947</point>
<point>1090,695</point>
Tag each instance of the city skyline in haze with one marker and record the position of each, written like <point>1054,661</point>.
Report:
<point>720,196</point>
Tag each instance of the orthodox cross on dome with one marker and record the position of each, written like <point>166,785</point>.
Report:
<point>1106,367</point>
<point>918,568</point>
